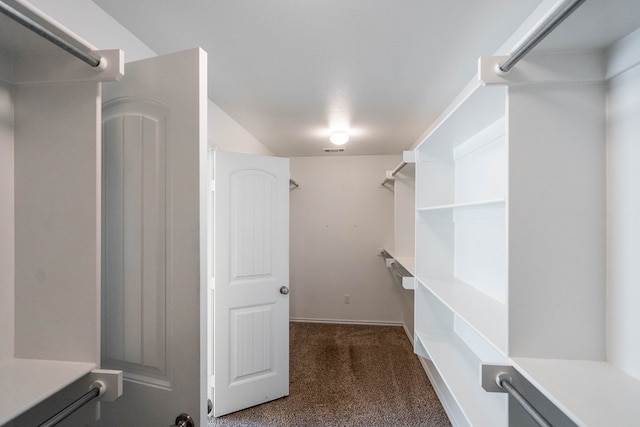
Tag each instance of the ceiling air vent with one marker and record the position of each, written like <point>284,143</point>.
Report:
<point>333,150</point>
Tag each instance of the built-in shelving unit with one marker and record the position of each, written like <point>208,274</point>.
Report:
<point>50,216</point>
<point>507,238</point>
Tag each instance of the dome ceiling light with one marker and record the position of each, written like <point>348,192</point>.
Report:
<point>339,138</point>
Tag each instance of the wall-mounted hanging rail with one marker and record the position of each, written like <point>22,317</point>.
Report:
<point>72,407</point>
<point>393,263</point>
<point>503,381</point>
<point>397,169</point>
<point>393,173</point>
<point>538,34</point>
<point>48,35</point>
<point>407,157</point>
<point>293,184</point>
<point>408,281</point>
<point>399,268</point>
<point>497,378</point>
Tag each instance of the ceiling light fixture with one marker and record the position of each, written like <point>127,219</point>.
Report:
<point>339,138</point>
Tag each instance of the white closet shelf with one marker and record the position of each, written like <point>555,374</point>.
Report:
<point>408,263</point>
<point>483,314</point>
<point>591,393</point>
<point>478,203</point>
<point>27,382</point>
<point>477,108</point>
<point>457,366</point>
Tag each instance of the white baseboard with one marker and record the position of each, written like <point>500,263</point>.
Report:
<point>345,322</point>
<point>409,334</point>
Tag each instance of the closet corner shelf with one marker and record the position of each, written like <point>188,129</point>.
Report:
<point>27,382</point>
<point>478,203</point>
<point>483,314</point>
<point>591,393</point>
<point>408,264</point>
<point>408,283</point>
<point>451,359</point>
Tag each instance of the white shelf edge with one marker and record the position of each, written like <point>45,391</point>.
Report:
<point>477,203</point>
<point>590,393</point>
<point>475,94</point>
<point>409,283</point>
<point>448,356</point>
<point>485,315</point>
<point>27,382</point>
<point>408,263</point>
<point>452,110</point>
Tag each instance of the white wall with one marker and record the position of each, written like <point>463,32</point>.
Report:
<point>98,28</point>
<point>7,223</point>
<point>227,135</point>
<point>623,215</point>
<point>340,215</point>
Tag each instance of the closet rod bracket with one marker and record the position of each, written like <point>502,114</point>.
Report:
<point>506,379</point>
<point>109,381</point>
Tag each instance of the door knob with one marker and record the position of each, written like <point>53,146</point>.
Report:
<point>284,290</point>
<point>183,420</point>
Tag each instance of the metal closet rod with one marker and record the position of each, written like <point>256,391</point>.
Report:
<point>503,382</point>
<point>540,33</point>
<point>72,407</point>
<point>53,38</point>
<point>395,171</point>
<point>399,268</point>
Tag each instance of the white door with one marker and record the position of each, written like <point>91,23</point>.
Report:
<point>154,240</point>
<point>251,280</point>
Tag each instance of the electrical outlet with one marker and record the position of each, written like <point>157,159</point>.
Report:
<point>347,299</point>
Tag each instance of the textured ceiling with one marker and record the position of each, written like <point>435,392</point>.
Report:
<point>290,71</point>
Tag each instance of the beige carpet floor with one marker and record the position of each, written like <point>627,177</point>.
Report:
<point>348,375</point>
